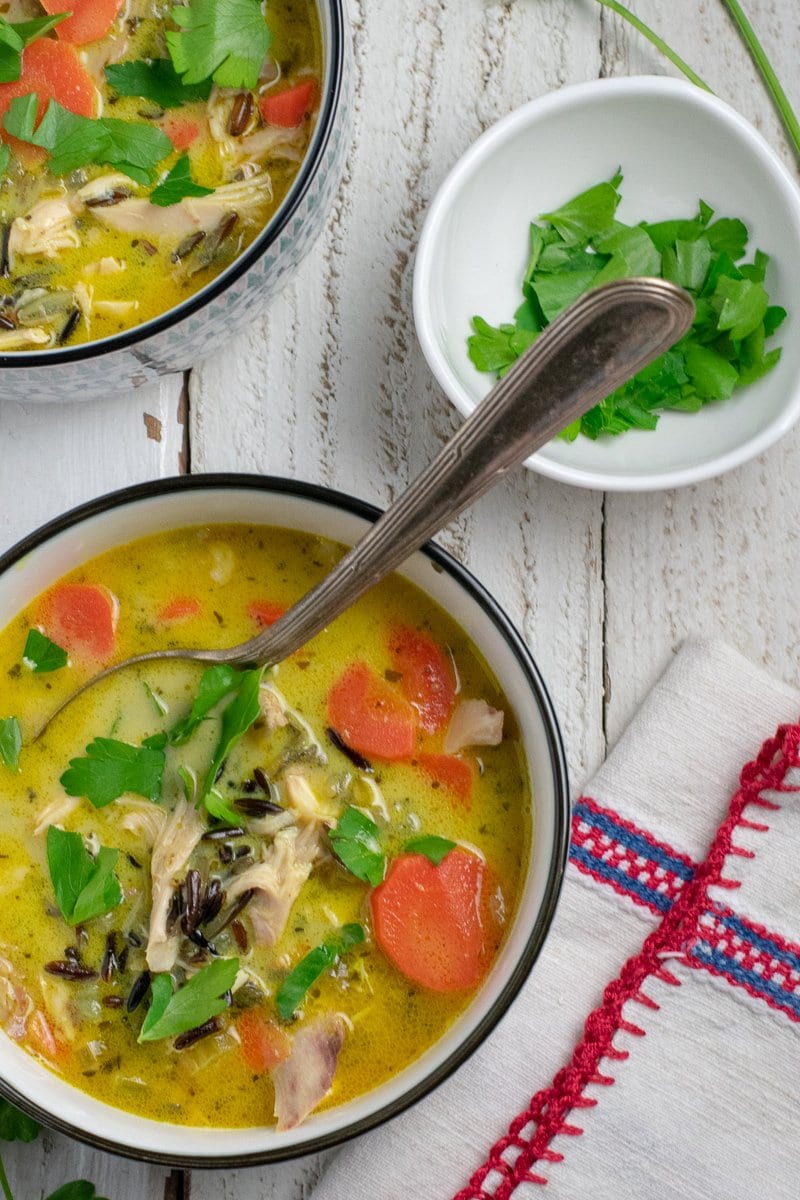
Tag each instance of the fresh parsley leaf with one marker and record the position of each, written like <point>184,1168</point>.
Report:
<point>42,655</point>
<point>728,234</point>
<point>712,375</point>
<point>490,348</point>
<point>155,80</point>
<point>15,37</point>
<point>588,214</point>
<point>309,969</point>
<point>85,887</point>
<point>5,158</point>
<point>687,262</point>
<point>177,185</point>
<point>80,1189</point>
<point>226,40</point>
<point>16,1126</point>
<point>111,769</point>
<point>10,742</point>
<point>433,847</point>
<point>356,843</point>
<point>742,306</point>
<point>74,141</point>
<point>171,1013</point>
<point>215,684</point>
<point>237,718</point>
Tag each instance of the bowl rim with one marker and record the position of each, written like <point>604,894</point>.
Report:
<point>334,74</point>
<point>533,112</point>
<point>351,505</point>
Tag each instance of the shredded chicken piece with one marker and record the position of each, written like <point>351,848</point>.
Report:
<point>106,266</point>
<point>104,185</point>
<point>18,339</point>
<point>47,229</point>
<point>144,820</point>
<point>85,297</point>
<point>304,1079</point>
<point>171,852</point>
<point>277,881</point>
<point>115,308</point>
<point>56,813</point>
<point>138,216</point>
<point>303,803</point>
<point>272,142</point>
<point>273,707</point>
<point>474,723</point>
<point>223,562</point>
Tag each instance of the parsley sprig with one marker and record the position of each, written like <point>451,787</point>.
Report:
<point>203,997</point>
<point>84,887</point>
<point>43,655</point>
<point>111,768</point>
<point>305,974</point>
<point>582,245</point>
<point>226,40</point>
<point>16,37</point>
<point>356,843</point>
<point>10,742</point>
<point>155,80</point>
<point>133,147</point>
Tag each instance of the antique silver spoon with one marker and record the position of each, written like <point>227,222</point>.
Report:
<point>592,348</point>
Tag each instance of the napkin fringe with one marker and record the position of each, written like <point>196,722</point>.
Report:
<point>513,1158</point>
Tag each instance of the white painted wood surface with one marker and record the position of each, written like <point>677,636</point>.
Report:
<point>331,387</point>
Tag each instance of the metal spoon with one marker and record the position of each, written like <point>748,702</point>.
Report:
<point>592,348</point>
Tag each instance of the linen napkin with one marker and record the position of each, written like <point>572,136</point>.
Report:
<point>655,1049</point>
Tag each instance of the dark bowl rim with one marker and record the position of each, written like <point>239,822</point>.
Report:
<point>258,247</point>
<point>444,561</point>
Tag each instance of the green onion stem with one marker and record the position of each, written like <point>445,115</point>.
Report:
<point>6,1186</point>
<point>657,41</point>
<point>759,55</point>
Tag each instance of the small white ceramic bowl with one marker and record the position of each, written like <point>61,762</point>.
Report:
<point>36,563</point>
<point>675,144</point>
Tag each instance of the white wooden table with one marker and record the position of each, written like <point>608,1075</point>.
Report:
<point>331,387</point>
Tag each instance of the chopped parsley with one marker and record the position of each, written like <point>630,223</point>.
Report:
<point>155,80</point>
<point>582,245</point>
<point>237,718</point>
<point>203,997</point>
<point>355,841</point>
<point>226,40</point>
<point>112,768</point>
<point>309,969</point>
<point>434,848</point>
<point>85,887</point>
<point>10,742</point>
<point>133,147</point>
<point>177,185</point>
<point>42,655</point>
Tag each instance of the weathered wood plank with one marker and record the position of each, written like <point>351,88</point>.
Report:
<point>55,456</point>
<point>716,559</point>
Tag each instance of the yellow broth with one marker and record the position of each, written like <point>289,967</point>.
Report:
<point>391,1019</point>
<point>116,278</point>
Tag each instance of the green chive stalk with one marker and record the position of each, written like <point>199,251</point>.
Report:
<point>657,41</point>
<point>773,84</point>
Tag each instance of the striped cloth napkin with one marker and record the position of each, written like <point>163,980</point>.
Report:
<point>659,1033</point>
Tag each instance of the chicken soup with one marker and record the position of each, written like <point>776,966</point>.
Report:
<point>235,897</point>
<point>142,148</point>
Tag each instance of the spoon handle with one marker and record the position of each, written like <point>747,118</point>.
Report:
<point>595,346</point>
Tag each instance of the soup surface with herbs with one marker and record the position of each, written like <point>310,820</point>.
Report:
<point>143,146</point>
<point>232,897</point>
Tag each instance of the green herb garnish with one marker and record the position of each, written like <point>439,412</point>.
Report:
<point>10,742</point>
<point>15,37</point>
<point>81,1189</point>
<point>226,40</point>
<point>355,841</point>
<point>433,847</point>
<point>202,998</point>
<point>85,887</point>
<point>309,969</point>
<point>74,141</point>
<point>237,718</point>
<point>158,702</point>
<point>155,80</point>
<point>111,769</point>
<point>5,158</point>
<point>583,245</point>
<point>215,684</point>
<point>42,655</point>
<point>177,185</point>
<point>16,1126</point>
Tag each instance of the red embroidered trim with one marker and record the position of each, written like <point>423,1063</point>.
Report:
<point>601,811</point>
<point>512,1158</point>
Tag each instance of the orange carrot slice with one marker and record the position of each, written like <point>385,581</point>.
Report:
<point>370,716</point>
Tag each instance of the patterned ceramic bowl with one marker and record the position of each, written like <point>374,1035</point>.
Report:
<point>177,339</point>
<point>45,556</point>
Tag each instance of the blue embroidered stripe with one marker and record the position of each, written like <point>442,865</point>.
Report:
<point>703,953</point>
<point>764,943</point>
<point>634,841</point>
<point>596,866</point>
